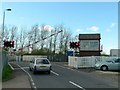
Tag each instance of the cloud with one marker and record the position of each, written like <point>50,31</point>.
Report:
<point>111,27</point>
<point>47,28</point>
<point>93,28</point>
<point>79,30</point>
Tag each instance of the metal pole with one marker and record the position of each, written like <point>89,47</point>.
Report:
<point>3,25</point>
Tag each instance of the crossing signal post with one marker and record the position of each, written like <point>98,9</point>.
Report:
<point>76,47</point>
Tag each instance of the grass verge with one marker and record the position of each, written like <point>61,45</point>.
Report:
<point>6,73</point>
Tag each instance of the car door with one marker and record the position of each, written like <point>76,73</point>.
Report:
<point>116,64</point>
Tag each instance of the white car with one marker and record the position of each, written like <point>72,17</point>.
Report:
<point>108,65</point>
<point>40,64</point>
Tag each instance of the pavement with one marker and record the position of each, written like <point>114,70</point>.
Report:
<point>19,80</point>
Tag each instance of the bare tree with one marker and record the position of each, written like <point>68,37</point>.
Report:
<point>35,30</point>
<point>23,38</point>
<point>55,39</point>
<point>6,34</point>
<point>44,34</point>
<point>67,38</point>
<point>61,38</point>
<point>50,42</point>
<point>13,32</point>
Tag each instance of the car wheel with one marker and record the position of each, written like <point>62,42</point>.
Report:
<point>48,72</point>
<point>104,68</point>
<point>34,72</point>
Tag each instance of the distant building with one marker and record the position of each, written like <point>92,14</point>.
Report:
<point>115,52</point>
<point>89,44</point>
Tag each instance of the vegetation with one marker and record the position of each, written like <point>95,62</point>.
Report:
<point>54,44</point>
<point>6,73</point>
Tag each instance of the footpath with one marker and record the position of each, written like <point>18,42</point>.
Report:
<point>20,80</point>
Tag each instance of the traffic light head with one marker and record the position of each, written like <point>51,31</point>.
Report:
<point>74,44</point>
<point>77,44</point>
<point>9,44</point>
<point>12,44</point>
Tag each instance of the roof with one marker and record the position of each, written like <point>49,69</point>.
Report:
<point>89,36</point>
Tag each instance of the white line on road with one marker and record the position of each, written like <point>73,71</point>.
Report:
<point>67,68</point>
<point>76,85</point>
<point>22,67</point>
<point>55,73</point>
<point>28,75</point>
<point>11,66</point>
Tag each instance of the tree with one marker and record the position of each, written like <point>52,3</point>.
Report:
<point>35,31</point>
<point>55,39</point>
<point>44,33</point>
<point>67,36</point>
<point>23,37</point>
<point>13,32</point>
<point>6,33</point>
<point>61,38</point>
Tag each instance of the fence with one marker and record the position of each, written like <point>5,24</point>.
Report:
<point>84,62</point>
<point>57,58</point>
<point>53,58</point>
<point>4,59</point>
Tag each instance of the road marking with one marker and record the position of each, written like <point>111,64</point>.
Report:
<point>35,87</point>
<point>11,66</point>
<point>67,68</point>
<point>76,85</point>
<point>33,83</point>
<point>55,73</point>
<point>28,75</point>
<point>22,67</point>
<point>25,67</point>
<point>107,72</point>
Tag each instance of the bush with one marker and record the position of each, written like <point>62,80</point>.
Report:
<point>6,73</point>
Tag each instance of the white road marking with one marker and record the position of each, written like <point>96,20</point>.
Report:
<point>35,87</point>
<point>11,66</point>
<point>55,73</point>
<point>67,68</point>
<point>28,74</point>
<point>25,67</point>
<point>76,85</point>
<point>107,72</point>
<point>33,83</point>
<point>22,67</point>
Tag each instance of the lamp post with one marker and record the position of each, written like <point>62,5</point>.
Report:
<point>4,21</point>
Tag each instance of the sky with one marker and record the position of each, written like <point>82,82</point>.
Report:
<point>80,17</point>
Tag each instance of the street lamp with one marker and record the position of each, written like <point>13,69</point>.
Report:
<point>4,20</point>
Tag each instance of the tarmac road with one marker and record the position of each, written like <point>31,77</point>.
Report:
<point>63,77</point>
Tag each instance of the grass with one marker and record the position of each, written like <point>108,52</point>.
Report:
<point>6,73</point>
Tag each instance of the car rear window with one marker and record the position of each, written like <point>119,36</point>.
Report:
<point>42,61</point>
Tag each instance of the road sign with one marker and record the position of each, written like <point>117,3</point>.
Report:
<point>70,53</point>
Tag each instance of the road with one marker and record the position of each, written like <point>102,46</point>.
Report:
<point>63,77</point>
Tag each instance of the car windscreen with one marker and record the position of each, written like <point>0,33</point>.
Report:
<point>42,61</point>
